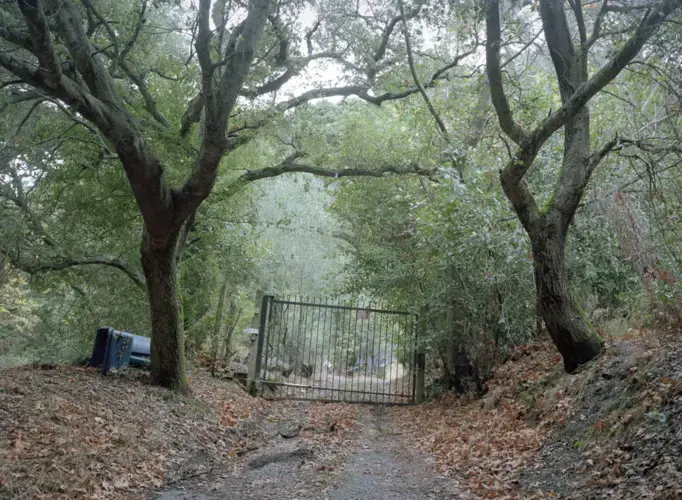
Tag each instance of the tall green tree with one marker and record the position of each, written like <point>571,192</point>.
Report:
<point>570,45</point>
<point>123,79</point>
<point>68,67</point>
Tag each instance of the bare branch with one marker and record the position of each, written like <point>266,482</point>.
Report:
<point>386,36</point>
<point>596,29</point>
<point>408,47</point>
<point>68,262</point>
<point>362,91</point>
<point>28,115</point>
<point>192,114</point>
<point>92,11</point>
<point>282,56</point>
<point>138,27</point>
<point>164,75</point>
<point>521,50</point>
<point>626,9</point>
<point>597,156</point>
<point>309,36</point>
<point>149,101</point>
<point>577,7</point>
<point>293,68</point>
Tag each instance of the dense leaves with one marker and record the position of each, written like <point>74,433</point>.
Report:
<point>447,240</point>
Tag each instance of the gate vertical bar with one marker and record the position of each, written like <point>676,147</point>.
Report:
<point>316,352</point>
<point>373,368</point>
<point>268,342</point>
<point>349,313</point>
<point>308,328</point>
<point>284,333</point>
<point>325,354</point>
<point>261,339</point>
<point>364,335</point>
<point>403,340</point>
<point>381,380</point>
<point>389,335</point>
<point>355,350</point>
<point>420,357</point>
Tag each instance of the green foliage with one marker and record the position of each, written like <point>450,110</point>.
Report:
<point>450,242</point>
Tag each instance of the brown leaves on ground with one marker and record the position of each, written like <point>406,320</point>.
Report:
<point>70,433</point>
<point>67,432</point>
<point>489,447</point>
<point>329,430</point>
<point>624,438</point>
<point>611,429</point>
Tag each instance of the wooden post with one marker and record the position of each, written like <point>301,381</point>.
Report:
<point>421,357</point>
<point>254,332</point>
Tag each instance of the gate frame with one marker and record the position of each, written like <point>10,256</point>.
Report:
<point>266,301</point>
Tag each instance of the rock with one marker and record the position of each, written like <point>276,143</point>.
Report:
<point>290,431</point>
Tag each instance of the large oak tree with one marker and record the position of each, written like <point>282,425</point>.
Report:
<point>86,60</point>
<point>570,39</point>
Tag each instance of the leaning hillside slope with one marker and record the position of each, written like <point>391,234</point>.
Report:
<point>69,433</point>
<point>613,430</point>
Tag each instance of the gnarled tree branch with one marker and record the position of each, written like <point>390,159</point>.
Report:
<point>289,165</point>
<point>69,262</point>
<point>497,94</point>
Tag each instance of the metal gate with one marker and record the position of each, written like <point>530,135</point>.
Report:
<point>332,351</point>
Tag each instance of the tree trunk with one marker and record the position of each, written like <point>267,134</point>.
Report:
<point>168,342</point>
<point>217,325</point>
<point>563,318</point>
<point>234,318</point>
<point>548,227</point>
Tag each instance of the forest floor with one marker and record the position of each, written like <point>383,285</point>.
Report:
<point>613,430</point>
<point>368,460</point>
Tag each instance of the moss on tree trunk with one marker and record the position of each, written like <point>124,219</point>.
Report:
<point>168,341</point>
<point>563,317</point>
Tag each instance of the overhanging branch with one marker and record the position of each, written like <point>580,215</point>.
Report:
<point>289,165</point>
<point>103,260</point>
<point>68,262</point>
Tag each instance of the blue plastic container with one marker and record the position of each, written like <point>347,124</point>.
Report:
<point>112,350</point>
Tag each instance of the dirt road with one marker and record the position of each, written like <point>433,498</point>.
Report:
<point>375,462</point>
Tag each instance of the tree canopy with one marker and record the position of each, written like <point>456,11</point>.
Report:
<point>511,166</point>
